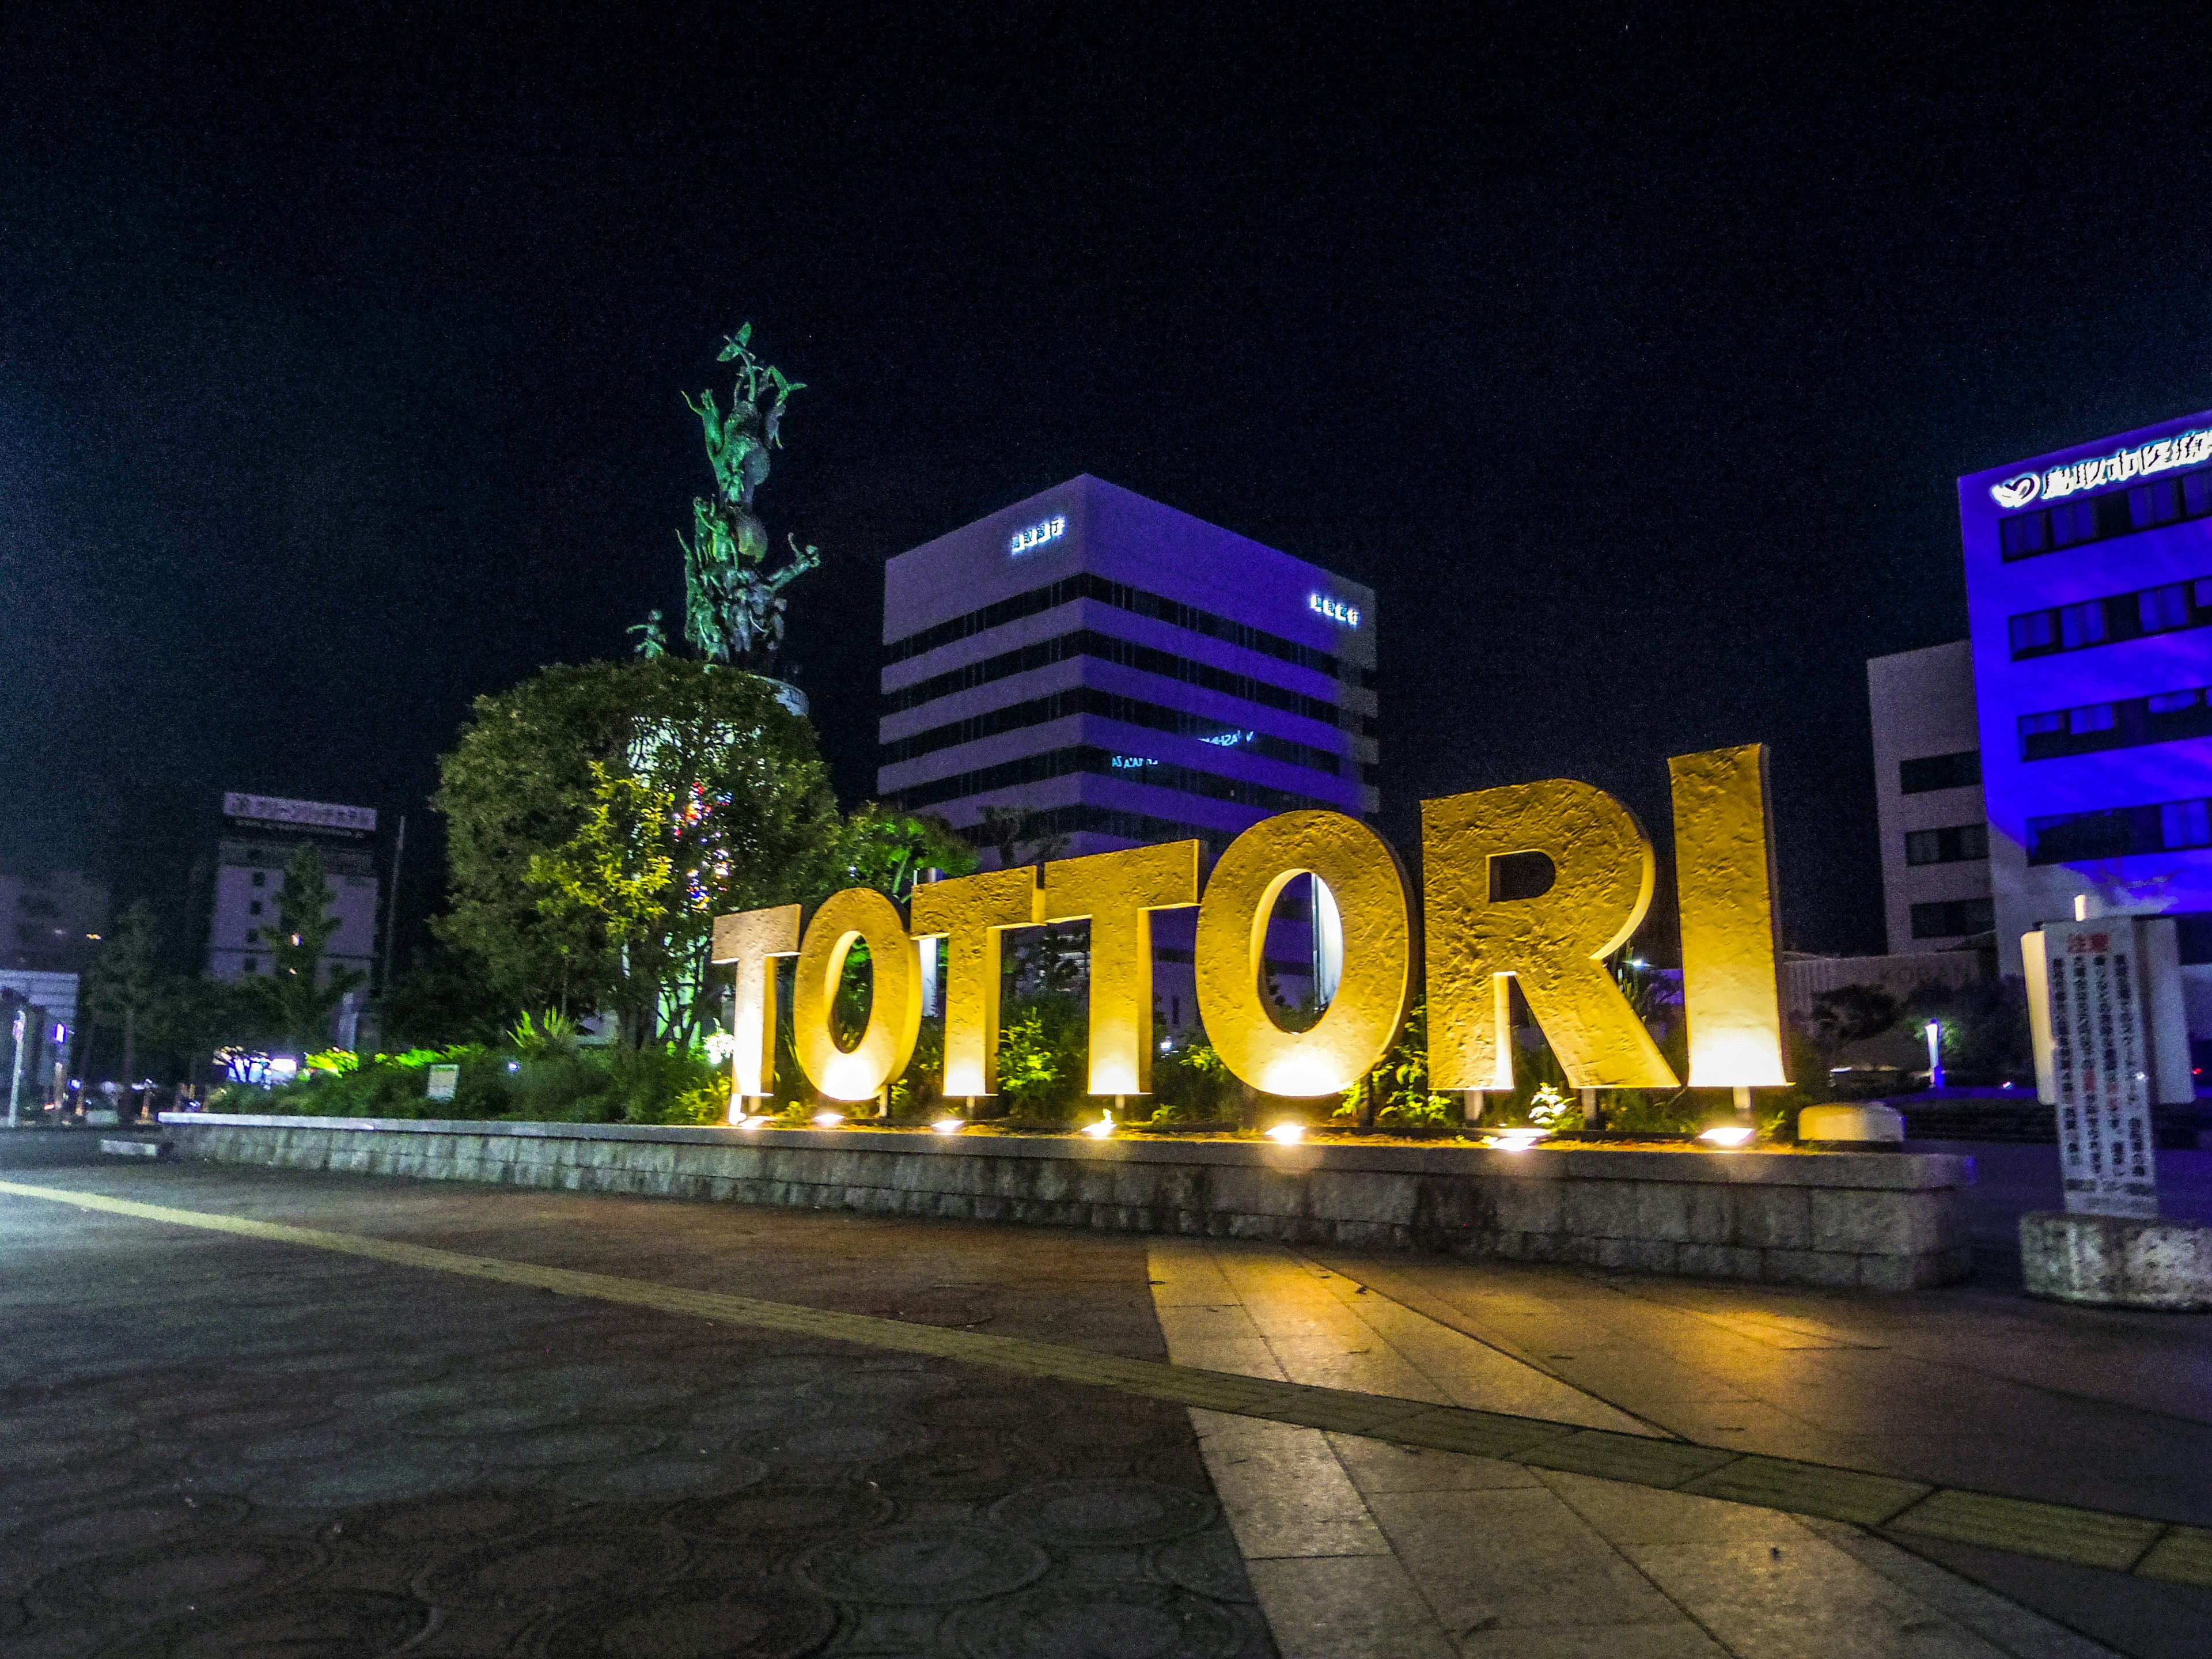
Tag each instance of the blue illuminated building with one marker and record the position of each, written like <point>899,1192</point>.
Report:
<point>2089,600</point>
<point>1116,673</point>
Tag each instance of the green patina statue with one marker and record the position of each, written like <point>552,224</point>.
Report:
<point>733,604</point>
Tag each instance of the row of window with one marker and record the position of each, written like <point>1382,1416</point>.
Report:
<point>2071,837</point>
<point>1953,918</point>
<point>1105,762</point>
<point>1045,825</point>
<point>2160,609</point>
<point>2099,518</point>
<point>1088,642</point>
<point>1112,705</point>
<point>1957,770</point>
<point>1955,844</point>
<point>1122,597</point>
<point>2125,723</point>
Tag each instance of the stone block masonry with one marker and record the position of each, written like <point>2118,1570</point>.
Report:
<point>1874,1220</point>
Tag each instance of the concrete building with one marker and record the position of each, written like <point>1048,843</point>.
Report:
<point>49,924</point>
<point>2089,598</point>
<point>1116,673</point>
<point>1928,797</point>
<point>264,832</point>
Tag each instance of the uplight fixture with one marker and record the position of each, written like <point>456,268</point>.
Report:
<point>1100,1129</point>
<point>1518,1140</point>
<point>1287,1134</point>
<point>947,1126</point>
<point>1728,1134</point>
<point>828,1120</point>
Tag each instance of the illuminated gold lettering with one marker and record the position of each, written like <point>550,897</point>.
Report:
<point>752,940</point>
<point>971,913</point>
<point>857,916</point>
<point>1118,893</point>
<point>1724,872</point>
<point>1365,1015</point>
<point>1553,944</point>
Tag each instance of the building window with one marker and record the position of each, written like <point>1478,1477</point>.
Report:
<point>1953,771</point>
<point>254,909</point>
<point>1953,845</point>
<point>2120,832</point>
<point>2184,823</point>
<point>2158,610</point>
<point>2164,717</point>
<point>1953,918</point>
<point>260,878</point>
<point>252,964</point>
<point>2099,518</point>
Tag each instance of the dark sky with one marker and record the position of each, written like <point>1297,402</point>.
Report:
<point>1629,352</point>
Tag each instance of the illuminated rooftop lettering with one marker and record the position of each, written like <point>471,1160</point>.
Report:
<point>1051,530</point>
<point>2163,455</point>
<point>1335,609</point>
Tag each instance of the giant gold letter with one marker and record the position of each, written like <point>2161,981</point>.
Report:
<point>858,913</point>
<point>1119,891</point>
<point>1554,944</point>
<point>972,912</point>
<point>752,939</point>
<point>1364,1017</point>
<point>1724,872</point>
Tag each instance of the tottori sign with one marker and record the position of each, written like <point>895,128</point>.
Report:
<point>1553,945</point>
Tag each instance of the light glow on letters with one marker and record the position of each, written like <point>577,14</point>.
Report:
<point>1051,530</point>
<point>1337,610</point>
<point>2162,455</point>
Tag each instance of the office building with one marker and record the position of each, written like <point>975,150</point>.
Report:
<point>262,834</point>
<point>1928,798</point>
<point>2089,602</point>
<point>51,923</point>
<point>1105,671</point>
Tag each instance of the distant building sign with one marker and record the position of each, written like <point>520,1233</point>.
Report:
<point>1051,530</point>
<point>1336,611</point>
<point>315,814</point>
<point>2101,1062</point>
<point>2162,455</point>
<point>444,1081</point>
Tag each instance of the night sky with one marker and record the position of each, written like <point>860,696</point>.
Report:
<point>1631,353</point>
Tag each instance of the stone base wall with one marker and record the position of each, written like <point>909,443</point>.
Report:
<point>1882,1221</point>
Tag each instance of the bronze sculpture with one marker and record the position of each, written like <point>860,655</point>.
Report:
<point>733,604</point>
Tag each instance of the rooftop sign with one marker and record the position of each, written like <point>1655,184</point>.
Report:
<point>2162,455</point>
<point>1051,530</point>
<point>307,814</point>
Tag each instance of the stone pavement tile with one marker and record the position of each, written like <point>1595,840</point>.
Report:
<point>1346,1608</point>
<point>1811,1601</point>
<point>1810,1490</point>
<point>2005,1625</point>
<point>1283,1491</point>
<point>1514,1559</point>
<point>1679,1640</point>
<point>1626,1457</point>
<point>1626,1516</point>
<point>1362,1360</point>
<point>1377,1467</point>
<point>2114,1542</point>
<point>1189,1324</point>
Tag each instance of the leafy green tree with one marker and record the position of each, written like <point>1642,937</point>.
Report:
<point>127,987</point>
<point>600,817</point>
<point>294,1001</point>
<point>885,848</point>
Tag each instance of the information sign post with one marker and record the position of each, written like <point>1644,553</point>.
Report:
<point>2111,1041</point>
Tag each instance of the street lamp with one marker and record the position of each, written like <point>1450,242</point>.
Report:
<point>1934,1054</point>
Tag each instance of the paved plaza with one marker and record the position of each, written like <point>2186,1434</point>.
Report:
<point>251,1411</point>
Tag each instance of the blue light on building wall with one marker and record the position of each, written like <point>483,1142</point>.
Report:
<point>1131,762</point>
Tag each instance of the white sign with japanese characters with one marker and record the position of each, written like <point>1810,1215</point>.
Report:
<point>2100,1066</point>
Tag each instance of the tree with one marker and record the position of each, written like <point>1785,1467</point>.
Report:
<point>600,817</point>
<point>883,847</point>
<point>126,986</point>
<point>295,998</point>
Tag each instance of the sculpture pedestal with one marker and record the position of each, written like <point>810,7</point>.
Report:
<point>1867,1125</point>
<point>2112,1261</point>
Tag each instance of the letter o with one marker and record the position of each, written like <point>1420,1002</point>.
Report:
<point>894,1009</point>
<point>1369,1010</point>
